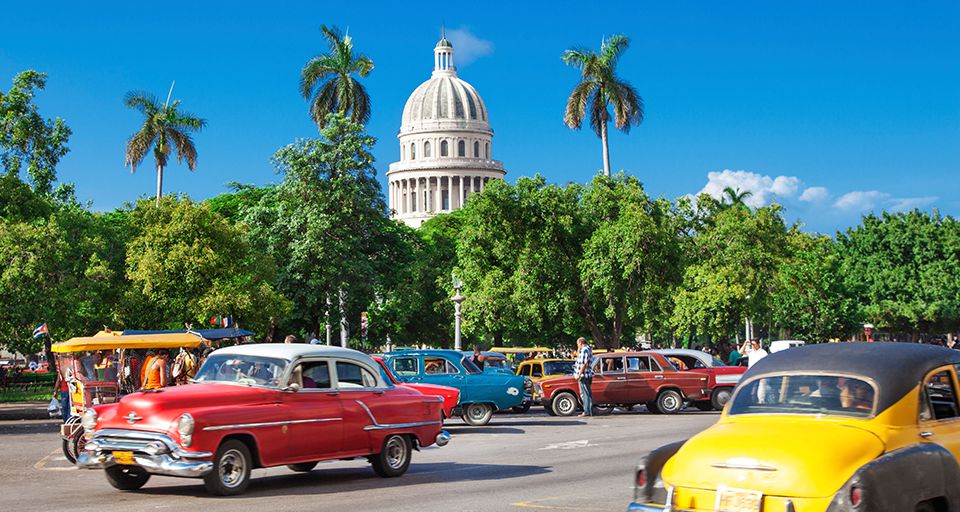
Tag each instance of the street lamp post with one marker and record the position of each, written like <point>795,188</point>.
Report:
<point>457,315</point>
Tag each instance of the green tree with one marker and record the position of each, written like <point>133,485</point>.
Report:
<point>235,204</point>
<point>328,81</point>
<point>186,264</point>
<point>164,127</point>
<point>599,89</point>
<point>27,140</point>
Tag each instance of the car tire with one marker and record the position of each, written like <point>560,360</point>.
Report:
<point>549,409</point>
<point>669,402</point>
<point>720,398</point>
<point>394,457</point>
<point>477,415</point>
<point>72,446</point>
<point>231,469</point>
<point>521,409</point>
<point>704,405</point>
<point>652,407</point>
<point>565,404</point>
<point>303,467</point>
<point>127,478</point>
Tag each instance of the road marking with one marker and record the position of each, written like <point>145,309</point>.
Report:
<point>42,463</point>
<point>570,445</point>
<point>533,504</point>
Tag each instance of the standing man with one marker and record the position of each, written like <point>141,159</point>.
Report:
<point>583,369</point>
<point>757,353</point>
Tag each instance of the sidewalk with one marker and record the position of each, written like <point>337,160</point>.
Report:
<point>11,411</point>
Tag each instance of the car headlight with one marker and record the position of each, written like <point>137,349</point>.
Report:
<point>89,421</point>
<point>185,428</point>
<point>527,383</point>
<point>537,389</point>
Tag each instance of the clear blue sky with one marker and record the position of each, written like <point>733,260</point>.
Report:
<point>831,108</point>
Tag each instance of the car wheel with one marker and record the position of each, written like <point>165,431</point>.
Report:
<point>477,415</point>
<point>521,409</point>
<point>231,469</point>
<point>127,478</point>
<point>303,467</point>
<point>394,458</point>
<point>720,398</point>
<point>72,446</point>
<point>549,409</point>
<point>669,402</point>
<point>703,406</point>
<point>565,404</point>
<point>652,407</point>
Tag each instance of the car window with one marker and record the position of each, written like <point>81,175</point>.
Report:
<point>405,366</point>
<point>558,368</point>
<point>612,364</point>
<point>351,375</point>
<point>637,364</point>
<point>940,397</point>
<point>805,394</point>
<point>525,369</point>
<point>438,366</point>
<point>537,369</point>
<point>469,366</point>
<point>311,375</point>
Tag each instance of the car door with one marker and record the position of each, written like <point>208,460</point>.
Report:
<point>601,381</point>
<point>314,414</point>
<point>643,376</point>
<point>407,368</point>
<point>939,415</point>
<point>364,404</point>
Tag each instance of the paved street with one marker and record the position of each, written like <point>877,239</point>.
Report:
<point>519,462</point>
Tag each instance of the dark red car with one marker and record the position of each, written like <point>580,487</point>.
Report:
<point>626,379</point>
<point>722,378</point>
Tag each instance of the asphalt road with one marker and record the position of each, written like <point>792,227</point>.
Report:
<point>518,462</point>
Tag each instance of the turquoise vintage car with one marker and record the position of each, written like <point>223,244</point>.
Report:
<point>481,393</point>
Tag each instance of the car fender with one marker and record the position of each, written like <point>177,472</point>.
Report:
<point>652,465</point>
<point>900,479</point>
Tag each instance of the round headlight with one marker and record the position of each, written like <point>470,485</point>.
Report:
<point>89,420</point>
<point>185,425</point>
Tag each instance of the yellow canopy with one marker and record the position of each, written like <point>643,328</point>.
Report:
<point>111,341</point>
<point>520,350</point>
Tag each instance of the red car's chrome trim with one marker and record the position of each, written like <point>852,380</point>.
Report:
<point>378,426</point>
<point>268,424</point>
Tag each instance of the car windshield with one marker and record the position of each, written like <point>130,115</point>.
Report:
<point>242,369</point>
<point>806,394</point>
<point>497,363</point>
<point>469,366</point>
<point>558,368</point>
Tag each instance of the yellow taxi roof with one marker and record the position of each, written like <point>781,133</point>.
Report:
<point>113,341</point>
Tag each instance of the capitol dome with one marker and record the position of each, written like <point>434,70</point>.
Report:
<point>445,139</point>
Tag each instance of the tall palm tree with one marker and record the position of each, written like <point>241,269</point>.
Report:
<point>734,197</point>
<point>327,81</point>
<point>164,126</point>
<point>600,88</point>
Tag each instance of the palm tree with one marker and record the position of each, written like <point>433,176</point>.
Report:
<point>164,126</point>
<point>327,81</point>
<point>734,197</point>
<point>599,88</point>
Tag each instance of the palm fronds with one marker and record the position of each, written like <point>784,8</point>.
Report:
<point>328,80</point>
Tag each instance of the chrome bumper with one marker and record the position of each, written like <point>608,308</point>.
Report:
<point>157,453</point>
<point>443,438</point>
<point>645,507</point>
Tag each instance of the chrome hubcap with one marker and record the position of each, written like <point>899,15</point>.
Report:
<point>723,398</point>
<point>396,454</point>
<point>232,467</point>
<point>565,405</point>
<point>669,403</point>
<point>477,412</point>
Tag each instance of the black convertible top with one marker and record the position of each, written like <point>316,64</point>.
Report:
<point>897,368</point>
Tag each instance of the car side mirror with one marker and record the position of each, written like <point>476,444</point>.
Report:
<point>293,387</point>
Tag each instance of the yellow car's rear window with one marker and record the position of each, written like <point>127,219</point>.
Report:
<point>806,394</point>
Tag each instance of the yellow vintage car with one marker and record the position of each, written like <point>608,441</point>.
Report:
<point>835,427</point>
<point>540,369</point>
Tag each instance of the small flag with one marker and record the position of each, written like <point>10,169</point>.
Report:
<point>40,330</point>
<point>213,320</point>
<point>228,320</point>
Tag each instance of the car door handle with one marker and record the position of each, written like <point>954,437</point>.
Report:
<point>621,378</point>
<point>459,377</point>
<point>333,393</point>
<point>658,376</point>
<point>926,435</point>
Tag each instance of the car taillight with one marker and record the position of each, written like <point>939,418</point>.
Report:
<point>641,478</point>
<point>856,495</point>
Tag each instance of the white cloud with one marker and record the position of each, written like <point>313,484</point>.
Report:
<point>815,194</point>
<point>764,189</point>
<point>901,204</point>
<point>865,200</point>
<point>467,47</point>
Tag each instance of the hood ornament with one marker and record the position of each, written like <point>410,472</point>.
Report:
<point>133,418</point>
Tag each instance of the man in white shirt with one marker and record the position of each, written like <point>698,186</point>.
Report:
<point>756,353</point>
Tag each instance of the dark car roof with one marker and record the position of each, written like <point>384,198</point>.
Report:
<point>897,368</point>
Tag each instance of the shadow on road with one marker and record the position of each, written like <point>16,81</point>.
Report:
<point>328,481</point>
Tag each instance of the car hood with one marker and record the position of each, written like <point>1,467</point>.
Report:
<point>804,458</point>
<point>434,389</point>
<point>157,410</point>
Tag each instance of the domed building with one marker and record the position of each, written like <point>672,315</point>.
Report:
<point>445,140</point>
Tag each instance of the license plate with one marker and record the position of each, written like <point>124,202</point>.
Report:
<point>125,458</point>
<point>738,500</point>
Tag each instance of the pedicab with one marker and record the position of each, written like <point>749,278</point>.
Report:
<point>91,384</point>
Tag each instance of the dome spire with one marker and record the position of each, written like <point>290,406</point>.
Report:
<point>443,55</point>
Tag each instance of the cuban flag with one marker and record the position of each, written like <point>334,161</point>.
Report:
<point>40,331</point>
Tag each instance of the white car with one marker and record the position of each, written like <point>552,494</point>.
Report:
<point>779,345</point>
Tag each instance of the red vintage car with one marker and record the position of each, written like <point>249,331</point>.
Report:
<point>450,396</point>
<point>721,378</point>
<point>625,379</point>
<point>256,406</point>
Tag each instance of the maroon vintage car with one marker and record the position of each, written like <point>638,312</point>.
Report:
<point>258,406</point>
<point>721,379</point>
<point>450,396</point>
<point>625,379</point>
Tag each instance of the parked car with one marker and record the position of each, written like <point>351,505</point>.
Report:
<point>625,379</point>
<point>480,393</point>
<point>450,395</point>
<point>261,406</point>
<point>721,378</point>
<point>540,369</point>
<point>777,346</point>
<point>495,362</point>
<point>862,427</point>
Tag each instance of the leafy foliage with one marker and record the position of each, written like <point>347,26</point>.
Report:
<point>327,80</point>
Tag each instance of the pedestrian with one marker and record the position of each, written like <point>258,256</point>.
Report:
<point>290,339</point>
<point>735,356</point>
<point>479,358</point>
<point>313,339</point>
<point>583,369</point>
<point>757,353</point>
<point>147,363</point>
<point>157,373</point>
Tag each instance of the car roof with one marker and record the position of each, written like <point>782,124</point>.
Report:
<point>897,368</point>
<point>291,351</point>
<point>424,352</point>
<point>699,354</point>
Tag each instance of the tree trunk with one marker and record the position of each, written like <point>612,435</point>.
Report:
<point>498,340</point>
<point>327,321</point>
<point>344,325</point>
<point>606,147</point>
<point>159,183</point>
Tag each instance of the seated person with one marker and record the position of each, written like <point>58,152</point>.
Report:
<point>856,394</point>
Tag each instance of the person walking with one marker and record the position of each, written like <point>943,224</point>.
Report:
<point>583,369</point>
